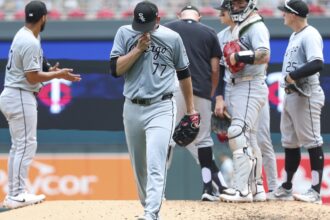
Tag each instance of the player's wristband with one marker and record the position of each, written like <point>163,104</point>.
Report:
<point>246,56</point>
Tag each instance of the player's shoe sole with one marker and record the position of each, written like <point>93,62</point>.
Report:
<point>235,196</point>
<point>209,198</point>
<point>23,200</point>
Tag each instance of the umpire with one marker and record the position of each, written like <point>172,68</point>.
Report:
<point>204,52</point>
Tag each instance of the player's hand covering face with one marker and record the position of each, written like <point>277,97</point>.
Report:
<point>144,42</point>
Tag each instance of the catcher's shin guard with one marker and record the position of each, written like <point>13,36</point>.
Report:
<point>241,191</point>
<point>243,167</point>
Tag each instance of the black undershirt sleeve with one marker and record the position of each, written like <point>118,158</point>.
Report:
<point>221,84</point>
<point>183,74</point>
<point>113,67</point>
<point>308,69</point>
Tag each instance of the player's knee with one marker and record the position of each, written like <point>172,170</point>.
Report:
<point>234,131</point>
<point>236,137</point>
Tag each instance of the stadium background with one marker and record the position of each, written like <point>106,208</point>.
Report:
<point>81,144</point>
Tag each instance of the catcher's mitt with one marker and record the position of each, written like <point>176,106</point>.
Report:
<point>187,129</point>
<point>220,126</point>
<point>230,48</point>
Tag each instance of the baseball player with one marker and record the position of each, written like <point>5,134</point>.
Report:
<point>304,99</point>
<point>263,134</point>
<point>203,52</point>
<point>267,150</point>
<point>150,56</point>
<point>25,73</point>
<point>246,53</point>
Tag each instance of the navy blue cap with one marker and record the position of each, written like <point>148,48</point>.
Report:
<point>145,15</point>
<point>297,7</point>
<point>34,10</point>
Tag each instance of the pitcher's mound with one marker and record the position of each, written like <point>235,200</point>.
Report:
<point>171,210</point>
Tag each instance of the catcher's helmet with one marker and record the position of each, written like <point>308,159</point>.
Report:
<point>224,5</point>
<point>239,15</point>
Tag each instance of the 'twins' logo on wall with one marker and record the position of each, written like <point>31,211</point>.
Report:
<point>56,94</point>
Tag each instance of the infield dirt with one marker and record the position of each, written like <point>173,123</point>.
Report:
<point>171,210</point>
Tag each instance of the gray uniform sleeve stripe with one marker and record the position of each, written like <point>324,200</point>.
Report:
<point>315,58</point>
<point>31,70</point>
<point>262,48</point>
<point>116,56</point>
<point>183,68</point>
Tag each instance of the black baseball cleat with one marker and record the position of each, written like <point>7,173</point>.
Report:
<point>208,194</point>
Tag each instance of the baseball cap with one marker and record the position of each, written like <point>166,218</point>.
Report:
<point>145,14</point>
<point>224,5</point>
<point>297,7</point>
<point>34,10</point>
<point>190,7</point>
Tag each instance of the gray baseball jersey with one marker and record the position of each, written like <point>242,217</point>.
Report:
<point>25,55</point>
<point>165,55</point>
<point>255,38</point>
<point>224,37</point>
<point>19,105</point>
<point>303,47</point>
<point>149,127</point>
<point>300,119</point>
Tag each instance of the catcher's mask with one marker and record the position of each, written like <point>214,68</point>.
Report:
<point>220,126</point>
<point>240,9</point>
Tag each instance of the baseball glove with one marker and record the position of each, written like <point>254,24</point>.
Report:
<point>230,48</point>
<point>187,129</point>
<point>303,89</point>
<point>45,65</point>
<point>220,126</point>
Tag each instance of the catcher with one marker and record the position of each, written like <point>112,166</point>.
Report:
<point>246,52</point>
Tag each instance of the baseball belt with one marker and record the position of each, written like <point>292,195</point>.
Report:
<point>246,78</point>
<point>152,100</point>
<point>34,93</point>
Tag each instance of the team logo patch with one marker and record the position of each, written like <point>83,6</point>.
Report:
<point>141,17</point>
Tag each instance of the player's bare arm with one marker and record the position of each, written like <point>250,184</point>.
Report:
<point>39,76</point>
<point>220,106</point>
<point>124,63</point>
<point>214,74</point>
<point>261,56</point>
<point>187,91</point>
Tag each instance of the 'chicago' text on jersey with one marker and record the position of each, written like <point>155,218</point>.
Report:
<point>152,48</point>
